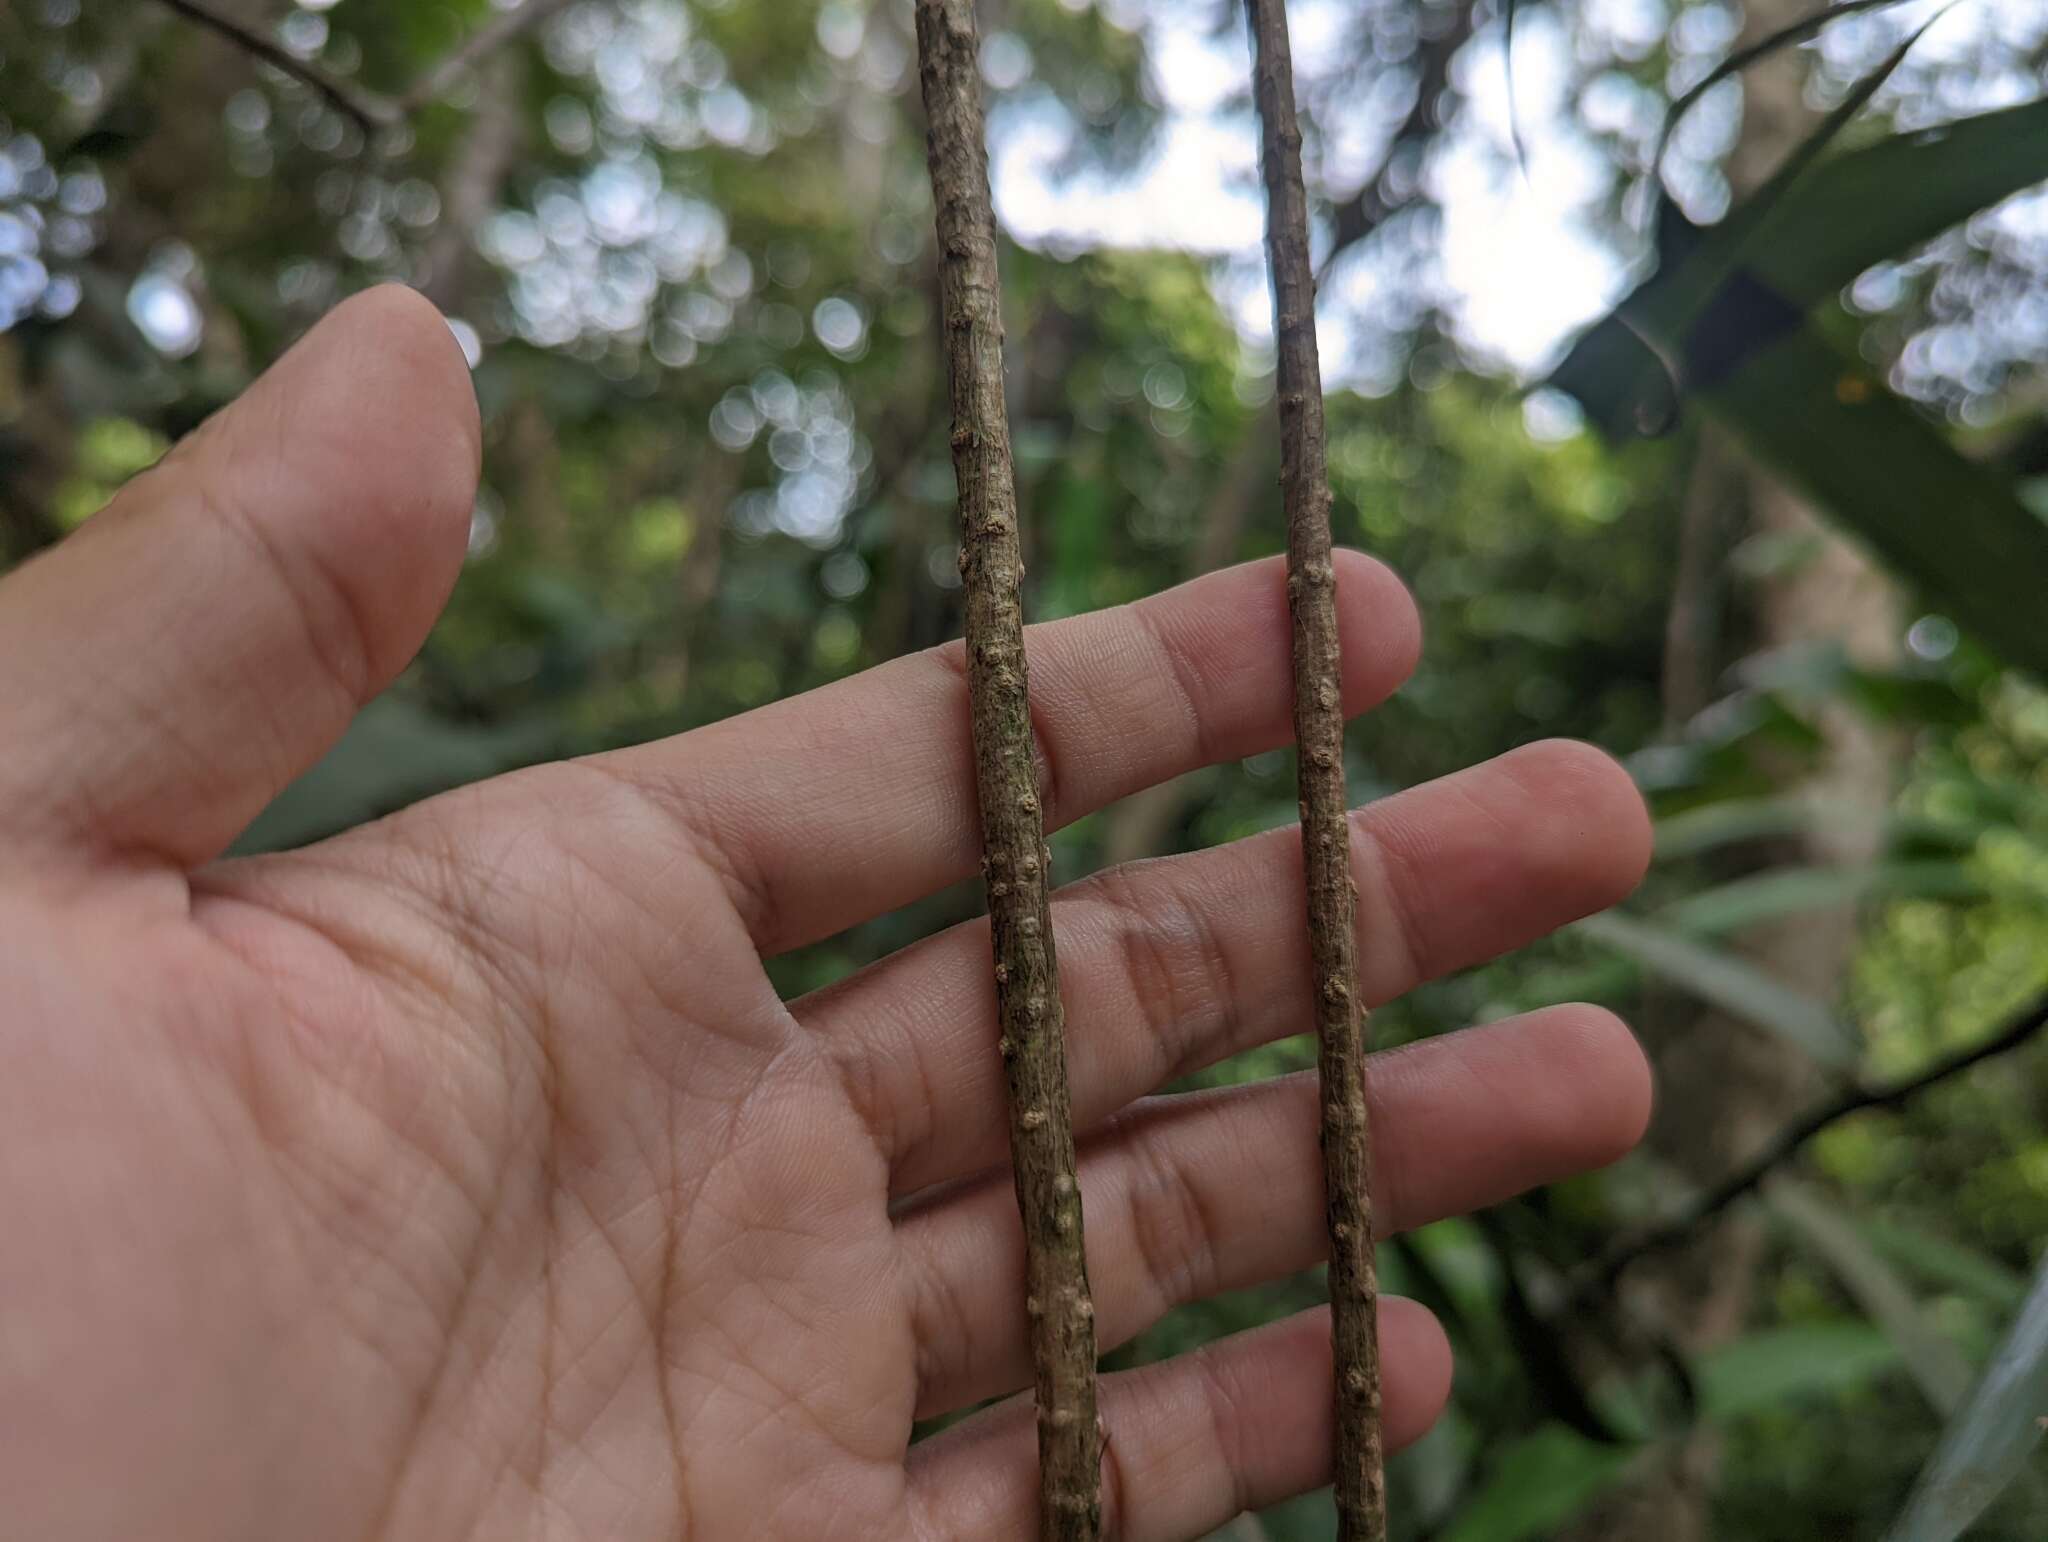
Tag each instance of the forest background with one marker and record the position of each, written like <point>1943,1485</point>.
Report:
<point>687,246</point>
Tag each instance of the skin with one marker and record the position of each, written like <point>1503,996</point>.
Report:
<point>464,1176</point>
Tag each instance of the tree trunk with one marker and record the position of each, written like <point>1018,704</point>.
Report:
<point>491,142</point>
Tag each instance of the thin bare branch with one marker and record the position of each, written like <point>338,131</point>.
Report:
<point>1358,216</point>
<point>366,109</point>
<point>1325,840</point>
<point>1061,1313</point>
<point>371,111</point>
<point>1790,1141</point>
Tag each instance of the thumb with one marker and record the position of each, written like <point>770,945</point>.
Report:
<point>212,632</point>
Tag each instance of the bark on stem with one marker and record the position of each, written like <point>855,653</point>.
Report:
<point>1017,861</point>
<point>1319,733</point>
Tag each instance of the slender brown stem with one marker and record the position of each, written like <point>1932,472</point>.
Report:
<point>1319,732</point>
<point>1061,1315</point>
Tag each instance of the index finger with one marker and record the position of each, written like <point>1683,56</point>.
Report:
<point>832,807</point>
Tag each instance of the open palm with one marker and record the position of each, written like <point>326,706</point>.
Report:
<point>464,1176</point>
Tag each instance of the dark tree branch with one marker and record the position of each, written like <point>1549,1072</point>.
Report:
<point>1325,840</point>
<point>1366,210</point>
<point>372,111</point>
<point>369,111</point>
<point>1790,1141</point>
<point>1061,1314</point>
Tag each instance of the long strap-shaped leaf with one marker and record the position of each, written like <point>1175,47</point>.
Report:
<point>1859,208</point>
<point>1724,981</point>
<point>1852,211</point>
<point>1791,33</point>
<point>1818,417</point>
<point>1988,1443</point>
<point>1726,320</point>
<point>1630,368</point>
<point>1819,1220</point>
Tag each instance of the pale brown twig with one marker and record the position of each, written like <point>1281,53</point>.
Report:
<point>1326,850</point>
<point>1017,862</point>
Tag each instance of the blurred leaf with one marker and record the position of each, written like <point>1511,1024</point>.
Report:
<point>1781,1364</point>
<point>1712,300</point>
<point>1739,233</point>
<point>1537,1484</point>
<point>1943,1261</point>
<point>1911,699</point>
<point>1728,983</point>
<point>1791,891</point>
<point>1818,417</point>
<point>1936,1365</point>
<point>1422,1280</point>
<point>1460,1265</point>
<point>1850,214</point>
<point>1725,318</point>
<point>1988,1443</point>
<point>1735,820</point>
<point>1822,669</point>
<point>1605,979</point>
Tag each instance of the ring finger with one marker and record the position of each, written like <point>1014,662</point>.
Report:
<point>1188,1196</point>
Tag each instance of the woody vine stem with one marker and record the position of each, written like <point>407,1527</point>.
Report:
<point>1016,862</point>
<point>1319,732</point>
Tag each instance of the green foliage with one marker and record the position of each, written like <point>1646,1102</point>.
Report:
<point>1723,319</point>
<point>1806,1360</point>
<point>1539,1483</point>
<point>108,453</point>
<point>1815,414</point>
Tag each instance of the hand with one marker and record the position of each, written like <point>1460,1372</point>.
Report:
<point>464,1176</point>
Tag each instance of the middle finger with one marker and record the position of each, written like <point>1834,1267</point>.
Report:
<point>1171,965</point>
<point>1188,1196</point>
